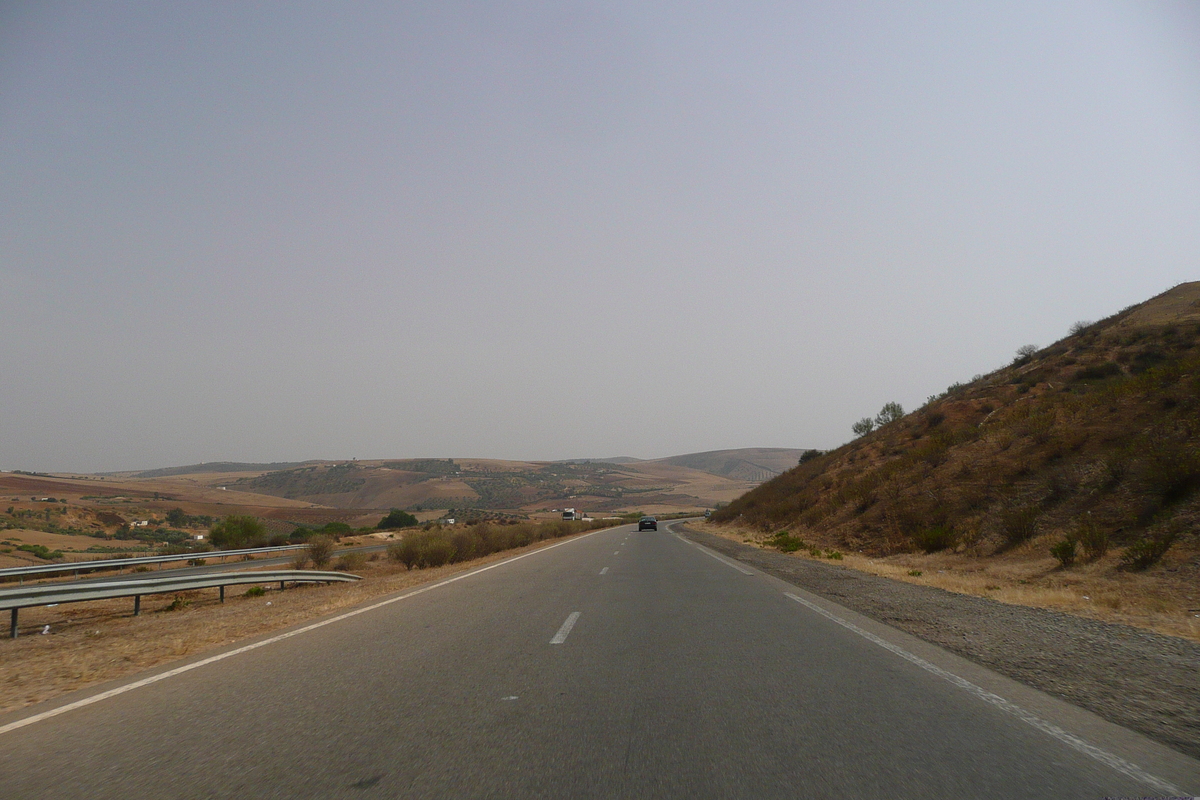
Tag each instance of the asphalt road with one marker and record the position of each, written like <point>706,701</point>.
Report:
<point>616,664</point>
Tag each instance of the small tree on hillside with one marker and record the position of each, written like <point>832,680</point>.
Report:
<point>1024,353</point>
<point>863,426</point>
<point>889,413</point>
<point>809,455</point>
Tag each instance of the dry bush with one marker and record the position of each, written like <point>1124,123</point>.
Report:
<point>1147,552</point>
<point>351,561</point>
<point>1093,538</point>
<point>320,550</point>
<point>1018,524</point>
<point>1064,551</point>
<point>936,538</point>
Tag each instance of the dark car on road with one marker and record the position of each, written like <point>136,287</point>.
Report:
<point>647,522</point>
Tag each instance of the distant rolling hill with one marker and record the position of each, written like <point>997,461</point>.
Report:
<point>687,482</point>
<point>695,481</point>
<point>213,466</point>
<point>752,464</point>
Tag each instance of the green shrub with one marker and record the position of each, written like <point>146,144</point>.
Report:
<point>938,537</point>
<point>397,519</point>
<point>301,534</point>
<point>335,530</point>
<point>238,531</point>
<point>914,573</point>
<point>1064,551</point>
<point>1147,552</point>
<point>255,591</point>
<point>833,554</point>
<point>787,543</point>
<point>41,551</point>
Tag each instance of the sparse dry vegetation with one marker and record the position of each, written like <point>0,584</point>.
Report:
<point>1087,451</point>
<point>320,550</point>
<point>437,545</point>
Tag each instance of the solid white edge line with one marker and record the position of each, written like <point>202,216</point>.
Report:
<point>738,567</point>
<point>1103,756</point>
<point>128,687</point>
<point>565,630</point>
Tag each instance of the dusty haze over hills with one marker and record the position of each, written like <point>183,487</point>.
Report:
<point>540,230</point>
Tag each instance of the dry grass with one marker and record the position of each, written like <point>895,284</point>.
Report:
<point>94,642</point>
<point>1165,599</point>
<point>60,541</point>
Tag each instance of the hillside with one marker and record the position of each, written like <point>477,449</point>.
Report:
<point>423,484</point>
<point>1094,439</point>
<point>755,464</point>
<point>212,466</point>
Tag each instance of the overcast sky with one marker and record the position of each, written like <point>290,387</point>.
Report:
<point>259,232</point>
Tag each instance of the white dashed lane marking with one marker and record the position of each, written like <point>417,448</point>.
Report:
<point>565,630</point>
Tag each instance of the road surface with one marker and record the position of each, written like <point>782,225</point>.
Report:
<point>614,664</point>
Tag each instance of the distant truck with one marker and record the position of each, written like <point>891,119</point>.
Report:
<point>569,515</point>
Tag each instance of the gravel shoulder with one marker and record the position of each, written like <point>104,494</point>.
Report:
<point>1132,677</point>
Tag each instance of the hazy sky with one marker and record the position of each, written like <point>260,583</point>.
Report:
<point>237,231</point>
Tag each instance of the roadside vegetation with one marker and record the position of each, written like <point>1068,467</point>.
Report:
<point>436,545</point>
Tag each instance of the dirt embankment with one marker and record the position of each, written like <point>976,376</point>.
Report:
<point>1135,678</point>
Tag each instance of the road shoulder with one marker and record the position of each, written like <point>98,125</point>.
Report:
<point>1131,677</point>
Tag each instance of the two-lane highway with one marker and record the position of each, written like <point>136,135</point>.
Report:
<point>615,664</point>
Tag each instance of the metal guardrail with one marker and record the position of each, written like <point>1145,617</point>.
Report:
<point>54,593</point>
<point>119,563</point>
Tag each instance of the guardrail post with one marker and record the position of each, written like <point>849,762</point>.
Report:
<point>137,605</point>
<point>13,633</point>
<point>281,586</point>
<point>222,594</point>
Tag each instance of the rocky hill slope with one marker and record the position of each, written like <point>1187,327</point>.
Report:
<point>1095,439</point>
